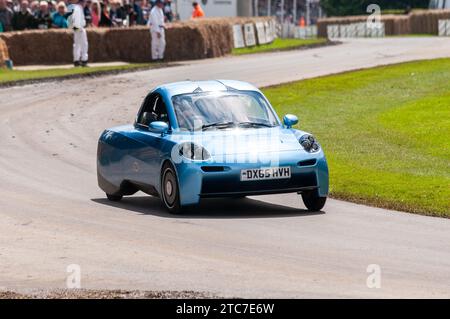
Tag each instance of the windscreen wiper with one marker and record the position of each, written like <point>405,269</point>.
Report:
<point>219,125</point>
<point>255,124</point>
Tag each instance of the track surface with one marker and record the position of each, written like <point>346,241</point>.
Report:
<point>52,214</point>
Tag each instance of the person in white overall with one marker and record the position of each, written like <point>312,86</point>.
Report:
<point>80,42</point>
<point>157,30</point>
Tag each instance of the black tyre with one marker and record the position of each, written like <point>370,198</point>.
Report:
<point>114,198</point>
<point>313,201</point>
<point>170,190</point>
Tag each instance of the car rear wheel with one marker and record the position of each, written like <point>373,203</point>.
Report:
<point>114,198</point>
<point>170,190</point>
<point>313,201</point>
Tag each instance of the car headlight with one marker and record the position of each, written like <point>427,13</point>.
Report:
<point>309,143</point>
<point>194,152</point>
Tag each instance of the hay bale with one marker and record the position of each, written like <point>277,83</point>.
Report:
<point>400,25</point>
<point>184,42</point>
<point>416,21</point>
<point>214,38</point>
<point>426,21</point>
<point>129,45</point>
<point>98,48</point>
<point>4,55</point>
<point>203,38</point>
<point>39,46</point>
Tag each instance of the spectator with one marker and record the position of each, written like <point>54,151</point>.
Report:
<point>302,21</point>
<point>52,7</point>
<point>408,9</point>
<point>16,6</point>
<point>139,12</point>
<point>34,7</point>
<point>146,7</point>
<point>43,18</point>
<point>130,15</point>
<point>95,13</point>
<point>10,4</point>
<point>80,41</point>
<point>168,10</point>
<point>23,19</point>
<point>157,30</point>
<point>87,12</point>
<point>116,13</point>
<point>105,20</point>
<point>59,18</point>
<point>198,11</point>
<point>6,16</point>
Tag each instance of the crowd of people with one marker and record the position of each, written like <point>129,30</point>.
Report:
<point>77,15</point>
<point>46,14</point>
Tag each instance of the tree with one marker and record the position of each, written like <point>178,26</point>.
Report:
<point>356,7</point>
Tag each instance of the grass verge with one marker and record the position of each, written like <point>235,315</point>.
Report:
<point>385,131</point>
<point>12,77</point>
<point>281,45</point>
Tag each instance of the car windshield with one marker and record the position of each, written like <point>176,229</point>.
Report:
<point>205,111</point>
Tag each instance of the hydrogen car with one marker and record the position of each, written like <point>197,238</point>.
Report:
<point>209,139</point>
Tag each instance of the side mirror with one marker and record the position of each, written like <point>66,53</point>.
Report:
<point>290,120</point>
<point>158,127</point>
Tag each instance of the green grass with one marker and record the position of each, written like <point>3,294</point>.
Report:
<point>279,45</point>
<point>385,131</point>
<point>399,11</point>
<point>8,76</point>
<point>393,11</point>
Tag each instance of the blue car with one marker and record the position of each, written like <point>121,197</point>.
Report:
<point>210,139</point>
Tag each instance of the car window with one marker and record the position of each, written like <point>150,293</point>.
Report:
<point>231,107</point>
<point>153,109</point>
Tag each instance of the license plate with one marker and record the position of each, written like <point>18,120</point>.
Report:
<point>265,173</point>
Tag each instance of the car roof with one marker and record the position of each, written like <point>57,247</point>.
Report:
<point>186,87</point>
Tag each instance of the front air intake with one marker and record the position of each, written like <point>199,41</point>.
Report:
<point>309,162</point>
<point>211,169</point>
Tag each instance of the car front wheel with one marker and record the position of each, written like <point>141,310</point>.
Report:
<point>313,201</point>
<point>170,190</point>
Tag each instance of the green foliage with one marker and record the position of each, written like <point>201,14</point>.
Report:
<point>357,7</point>
<point>279,45</point>
<point>7,76</point>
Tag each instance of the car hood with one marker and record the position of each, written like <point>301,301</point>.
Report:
<point>243,141</point>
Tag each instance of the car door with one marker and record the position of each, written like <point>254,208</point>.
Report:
<point>145,165</point>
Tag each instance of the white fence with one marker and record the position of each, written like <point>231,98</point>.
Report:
<point>444,28</point>
<point>355,30</point>
<point>289,30</point>
<point>305,32</point>
<point>250,34</point>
